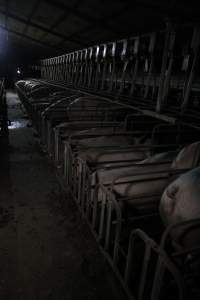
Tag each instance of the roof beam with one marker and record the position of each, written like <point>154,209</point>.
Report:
<point>30,38</point>
<point>165,11</point>
<point>62,18</point>
<point>99,24</point>
<point>81,15</point>
<point>42,28</point>
<point>33,11</point>
<point>168,9</point>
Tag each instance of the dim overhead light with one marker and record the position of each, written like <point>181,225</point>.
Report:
<point>18,71</point>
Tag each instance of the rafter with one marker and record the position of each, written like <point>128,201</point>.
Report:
<point>165,10</point>
<point>60,19</point>
<point>83,16</point>
<point>42,28</point>
<point>33,11</point>
<point>31,39</point>
<point>99,24</point>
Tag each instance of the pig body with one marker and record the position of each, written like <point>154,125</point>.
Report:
<point>152,184</point>
<point>123,176</point>
<point>188,157</point>
<point>181,202</point>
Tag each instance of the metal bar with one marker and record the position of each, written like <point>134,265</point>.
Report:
<point>196,48</point>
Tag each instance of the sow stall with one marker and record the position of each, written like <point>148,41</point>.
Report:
<point>90,151</point>
<point>102,214</point>
<point>113,118</point>
<point>100,207</point>
<point>148,262</point>
<point>87,109</point>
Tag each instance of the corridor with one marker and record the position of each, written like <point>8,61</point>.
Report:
<point>46,250</point>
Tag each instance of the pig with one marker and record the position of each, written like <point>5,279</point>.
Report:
<point>42,91</point>
<point>181,202</point>
<point>107,148</point>
<point>103,140</point>
<point>90,107</point>
<point>21,83</point>
<point>188,157</point>
<point>122,177</point>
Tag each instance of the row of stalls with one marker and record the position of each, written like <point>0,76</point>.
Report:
<point>157,71</point>
<point>120,122</point>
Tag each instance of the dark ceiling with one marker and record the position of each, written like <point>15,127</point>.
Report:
<point>41,28</point>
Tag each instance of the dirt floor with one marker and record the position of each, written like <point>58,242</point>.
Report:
<point>46,250</point>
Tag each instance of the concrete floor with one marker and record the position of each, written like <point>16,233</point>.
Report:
<point>46,250</point>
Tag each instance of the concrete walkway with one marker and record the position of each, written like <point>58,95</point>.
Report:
<point>46,250</point>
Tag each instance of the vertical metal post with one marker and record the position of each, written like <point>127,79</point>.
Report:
<point>113,66</point>
<point>151,52</point>
<point>125,62</point>
<point>164,66</point>
<point>136,61</point>
<point>195,46</point>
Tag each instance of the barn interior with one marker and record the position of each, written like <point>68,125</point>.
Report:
<point>99,150</point>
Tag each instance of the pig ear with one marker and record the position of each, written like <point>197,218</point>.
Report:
<point>172,191</point>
